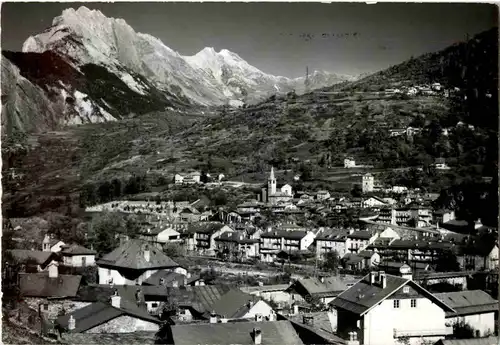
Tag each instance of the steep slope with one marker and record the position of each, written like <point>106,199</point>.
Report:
<point>207,78</point>
<point>62,94</point>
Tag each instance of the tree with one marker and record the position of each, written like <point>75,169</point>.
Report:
<point>332,261</point>
<point>447,262</point>
<point>462,330</point>
<point>105,228</point>
<point>174,250</point>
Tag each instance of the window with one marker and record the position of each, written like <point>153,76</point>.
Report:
<point>413,303</point>
<point>154,305</point>
<point>406,289</point>
<point>396,303</point>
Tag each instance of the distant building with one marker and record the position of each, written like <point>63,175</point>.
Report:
<point>349,162</point>
<point>271,195</point>
<point>77,256</point>
<point>323,195</point>
<point>367,183</point>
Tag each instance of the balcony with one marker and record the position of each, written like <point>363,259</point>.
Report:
<point>399,333</point>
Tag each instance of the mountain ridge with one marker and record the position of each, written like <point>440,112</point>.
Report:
<point>88,36</point>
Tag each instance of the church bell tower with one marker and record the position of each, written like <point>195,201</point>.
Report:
<point>271,183</point>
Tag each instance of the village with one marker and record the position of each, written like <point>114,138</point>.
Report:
<point>403,272</point>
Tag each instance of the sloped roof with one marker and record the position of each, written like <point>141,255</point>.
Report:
<point>167,276</point>
<point>236,237</point>
<point>363,296</point>
<point>38,256</point>
<point>130,255</point>
<point>468,302</point>
<point>333,235</point>
<point>273,332</point>
<point>99,313</point>
<point>76,249</point>
<point>233,304</point>
<point>474,341</point>
<point>331,286</point>
<point>293,235</point>
<point>136,338</point>
<point>362,235</point>
<point>205,227</point>
<point>41,285</point>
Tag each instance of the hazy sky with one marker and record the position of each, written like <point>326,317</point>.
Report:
<point>270,36</point>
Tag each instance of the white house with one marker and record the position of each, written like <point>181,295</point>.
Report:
<point>50,244</point>
<point>383,309</point>
<point>357,241</point>
<point>323,195</point>
<point>399,189</point>
<point>331,240</point>
<point>77,256</point>
<point>475,308</point>
<point>286,189</point>
<point>271,243</point>
<point>132,263</point>
<point>168,235</point>
<point>349,162</point>
<point>178,179</point>
<point>374,201</point>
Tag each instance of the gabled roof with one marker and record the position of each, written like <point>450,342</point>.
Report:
<point>41,285</point>
<point>131,255</point>
<point>99,313</point>
<point>273,333</point>
<point>76,249</point>
<point>292,235</point>
<point>363,296</point>
<point>322,326</point>
<point>331,286</point>
<point>167,276</point>
<point>468,302</point>
<point>39,257</point>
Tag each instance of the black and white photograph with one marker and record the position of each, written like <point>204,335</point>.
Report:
<point>252,173</point>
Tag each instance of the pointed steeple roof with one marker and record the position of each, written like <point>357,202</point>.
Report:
<point>271,176</point>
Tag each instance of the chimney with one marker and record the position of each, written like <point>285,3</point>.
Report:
<point>53,270</point>
<point>213,317</point>
<point>295,309</point>
<point>382,279</point>
<point>308,320</point>
<point>257,336</point>
<point>162,281</point>
<point>322,279</point>
<point>272,316</point>
<point>223,319</point>
<point>175,283</point>
<point>372,277</point>
<point>146,253</point>
<point>71,323</point>
<point>116,300</point>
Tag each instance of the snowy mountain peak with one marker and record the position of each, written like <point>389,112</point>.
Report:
<point>209,78</point>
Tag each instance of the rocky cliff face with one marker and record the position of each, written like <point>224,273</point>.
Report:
<point>87,67</point>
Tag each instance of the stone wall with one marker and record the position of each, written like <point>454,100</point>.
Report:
<point>55,306</point>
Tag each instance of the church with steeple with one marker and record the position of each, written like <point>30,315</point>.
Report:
<point>272,195</point>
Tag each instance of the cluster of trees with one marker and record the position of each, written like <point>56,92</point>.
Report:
<point>105,191</point>
<point>104,230</point>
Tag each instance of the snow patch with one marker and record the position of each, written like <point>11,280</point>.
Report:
<point>235,103</point>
